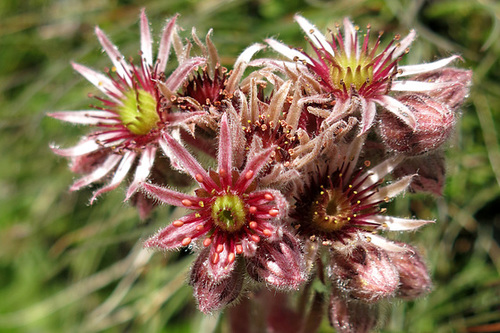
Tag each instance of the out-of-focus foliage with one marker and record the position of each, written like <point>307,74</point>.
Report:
<point>68,267</point>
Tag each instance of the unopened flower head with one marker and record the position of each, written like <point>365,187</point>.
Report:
<point>131,115</point>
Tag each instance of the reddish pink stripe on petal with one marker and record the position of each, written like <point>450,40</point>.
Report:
<point>83,147</point>
<point>120,174</point>
<point>98,173</point>
<point>142,171</point>
<point>101,82</point>
<point>114,55</point>
<point>171,237</point>
<point>188,162</point>
<point>175,79</point>
<point>146,41</point>
<point>253,168</point>
<point>165,43</point>
<point>90,117</point>
<point>225,152</point>
<point>168,196</point>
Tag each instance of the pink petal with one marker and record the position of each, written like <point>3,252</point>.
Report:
<point>368,112</point>
<point>225,153</point>
<point>418,85</point>
<point>98,173</point>
<point>401,47</point>
<point>122,68</point>
<point>398,109</point>
<point>287,51</point>
<point>101,82</point>
<point>397,223</point>
<point>220,268</point>
<point>253,168</point>
<point>316,37</point>
<point>423,68</point>
<point>378,172</point>
<point>188,162</point>
<point>85,146</point>
<point>165,43</point>
<point>120,174</point>
<point>240,65</point>
<point>181,73</point>
<point>392,190</point>
<point>349,37</point>
<point>171,237</point>
<point>146,41</point>
<point>142,171</point>
<point>90,117</point>
<point>170,197</point>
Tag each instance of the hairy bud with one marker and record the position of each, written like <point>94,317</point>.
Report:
<point>366,273</point>
<point>435,123</point>
<point>413,276</point>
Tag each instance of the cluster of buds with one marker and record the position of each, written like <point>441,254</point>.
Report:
<point>308,151</point>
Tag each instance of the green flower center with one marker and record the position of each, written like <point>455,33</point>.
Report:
<point>351,72</point>
<point>331,210</point>
<point>228,212</point>
<point>138,112</point>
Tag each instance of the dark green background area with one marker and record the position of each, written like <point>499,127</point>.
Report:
<point>69,267</point>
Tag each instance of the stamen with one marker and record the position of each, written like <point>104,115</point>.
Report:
<point>186,241</point>
<point>274,212</point>
<point>177,223</point>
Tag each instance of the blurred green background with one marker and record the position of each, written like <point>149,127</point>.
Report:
<point>69,267</point>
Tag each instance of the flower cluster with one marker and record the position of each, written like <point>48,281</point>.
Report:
<point>303,170</point>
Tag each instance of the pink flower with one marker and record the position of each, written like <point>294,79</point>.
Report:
<point>339,207</point>
<point>230,217</point>
<point>132,115</point>
<point>356,75</point>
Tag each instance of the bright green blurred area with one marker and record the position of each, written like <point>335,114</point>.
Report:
<point>69,267</point>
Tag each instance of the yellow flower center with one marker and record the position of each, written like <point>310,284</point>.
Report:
<point>331,210</point>
<point>138,112</point>
<point>228,212</point>
<point>350,71</point>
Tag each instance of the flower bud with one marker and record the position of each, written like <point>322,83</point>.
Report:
<point>280,263</point>
<point>453,95</point>
<point>366,273</point>
<point>351,316</point>
<point>413,276</point>
<point>435,122</point>
<point>213,294</point>
<point>429,171</point>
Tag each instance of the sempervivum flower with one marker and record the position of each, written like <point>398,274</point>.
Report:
<point>230,218</point>
<point>357,75</point>
<point>340,209</point>
<point>132,116</point>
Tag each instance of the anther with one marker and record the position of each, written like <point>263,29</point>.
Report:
<point>230,258</point>
<point>267,232</point>
<point>252,225</point>
<point>207,242</point>
<point>252,210</point>
<point>268,197</point>
<point>220,248</point>
<point>199,227</point>
<point>199,178</point>
<point>239,249</point>
<point>215,258</point>
<point>274,212</point>
<point>178,223</point>
<point>249,174</point>
<point>186,241</point>
<point>255,238</point>
<point>187,202</point>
